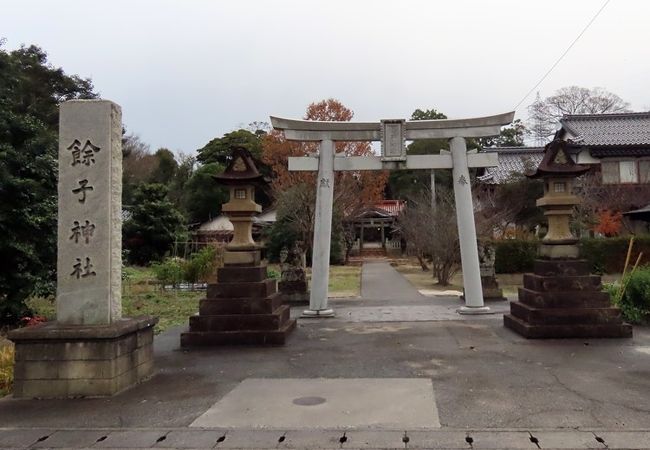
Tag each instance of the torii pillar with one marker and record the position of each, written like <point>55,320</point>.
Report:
<point>393,135</point>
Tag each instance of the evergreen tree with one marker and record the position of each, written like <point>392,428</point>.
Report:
<point>153,225</point>
<point>30,93</point>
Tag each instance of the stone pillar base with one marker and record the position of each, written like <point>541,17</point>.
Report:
<point>491,290</point>
<point>562,300</point>
<point>67,361</point>
<point>293,292</point>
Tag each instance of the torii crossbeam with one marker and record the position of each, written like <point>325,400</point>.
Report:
<point>393,135</point>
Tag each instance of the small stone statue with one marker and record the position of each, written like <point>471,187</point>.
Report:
<point>486,258</point>
<point>293,278</point>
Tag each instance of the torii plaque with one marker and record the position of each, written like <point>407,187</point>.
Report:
<point>393,134</point>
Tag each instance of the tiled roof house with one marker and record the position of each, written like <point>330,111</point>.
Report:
<point>620,143</point>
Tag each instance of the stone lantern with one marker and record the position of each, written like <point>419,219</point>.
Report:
<point>560,299</point>
<point>241,177</point>
<point>243,307</point>
<point>559,171</point>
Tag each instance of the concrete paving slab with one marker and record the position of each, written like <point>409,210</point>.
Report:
<point>22,437</point>
<point>131,439</point>
<point>626,439</point>
<point>320,403</point>
<point>566,439</point>
<point>416,313</point>
<point>71,439</point>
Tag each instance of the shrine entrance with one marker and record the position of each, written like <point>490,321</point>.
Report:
<point>374,228</point>
<point>393,135</point>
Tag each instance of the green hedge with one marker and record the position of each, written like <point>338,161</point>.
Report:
<point>607,255</point>
<point>513,256</point>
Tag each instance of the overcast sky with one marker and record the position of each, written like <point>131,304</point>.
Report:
<point>187,71</point>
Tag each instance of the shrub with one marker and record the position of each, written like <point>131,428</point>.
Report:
<point>514,255</point>
<point>169,271</point>
<point>6,369</point>
<point>635,303</point>
<point>200,265</point>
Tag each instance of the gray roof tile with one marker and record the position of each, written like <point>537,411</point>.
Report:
<point>609,129</point>
<point>513,161</point>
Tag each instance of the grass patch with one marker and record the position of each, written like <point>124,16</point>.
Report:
<point>171,308</point>
<point>6,366</point>
<point>345,281</point>
<point>142,296</point>
<point>425,280</point>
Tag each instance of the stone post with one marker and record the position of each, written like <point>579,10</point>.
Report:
<point>466,230</point>
<point>322,233</point>
<point>89,263</point>
<point>90,350</point>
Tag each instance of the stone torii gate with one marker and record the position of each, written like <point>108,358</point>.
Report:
<point>393,135</point>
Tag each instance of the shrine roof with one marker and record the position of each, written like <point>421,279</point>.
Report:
<point>242,169</point>
<point>384,209</point>
<point>513,162</point>
<point>621,129</point>
<point>557,161</point>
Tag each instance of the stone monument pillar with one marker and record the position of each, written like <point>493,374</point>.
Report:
<point>560,299</point>
<point>90,350</point>
<point>243,307</point>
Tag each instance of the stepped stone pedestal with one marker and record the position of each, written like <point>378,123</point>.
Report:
<point>560,299</point>
<point>243,308</point>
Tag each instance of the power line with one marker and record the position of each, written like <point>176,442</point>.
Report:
<point>563,54</point>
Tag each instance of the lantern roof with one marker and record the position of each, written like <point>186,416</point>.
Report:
<point>557,161</point>
<point>241,170</point>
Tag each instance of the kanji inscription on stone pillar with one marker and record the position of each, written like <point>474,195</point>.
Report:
<point>89,264</point>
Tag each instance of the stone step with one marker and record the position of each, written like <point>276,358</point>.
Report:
<point>541,283</point>
<point>234,322</point>
<point>234,274</point>
<point>566,299</point>
<point>239,337</point>
<point>242,289</point>
<point>566,316</point>
<point>529,331</point>
<point>561,267</point>
<point>242,305</point>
